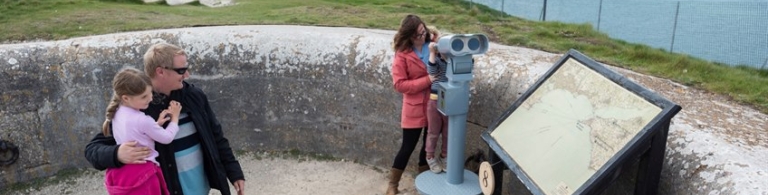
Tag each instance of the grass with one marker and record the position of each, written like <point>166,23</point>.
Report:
<point>28,20</point>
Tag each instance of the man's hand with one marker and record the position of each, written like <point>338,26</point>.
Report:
<point>239,186</point>
<point>129,153</point>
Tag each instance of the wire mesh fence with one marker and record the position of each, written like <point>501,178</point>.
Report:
<point>728,32</point>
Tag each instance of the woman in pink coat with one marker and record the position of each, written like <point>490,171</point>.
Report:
<point>409,75</point>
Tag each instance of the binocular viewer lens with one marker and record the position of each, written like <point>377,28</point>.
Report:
<point>473,44</point>
<point>460,45</point>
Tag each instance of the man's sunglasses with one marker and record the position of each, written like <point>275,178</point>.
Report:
<point>178,70</point>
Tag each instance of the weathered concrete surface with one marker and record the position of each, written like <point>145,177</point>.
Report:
<point>152,1</point>
<point>328,90</point>
<point>178,2</point>
<point>209,3</point>
<point>217,3</point>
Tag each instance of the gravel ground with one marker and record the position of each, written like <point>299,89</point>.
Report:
<point>265,174</point>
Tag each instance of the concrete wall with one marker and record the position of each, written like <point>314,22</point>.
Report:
<point>315,89</point>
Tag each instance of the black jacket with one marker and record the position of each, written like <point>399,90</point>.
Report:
<point>219,161</point>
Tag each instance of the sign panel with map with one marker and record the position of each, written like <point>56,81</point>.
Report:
<point>575,123</point>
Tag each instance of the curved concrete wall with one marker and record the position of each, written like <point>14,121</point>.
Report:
<point>316,89</point>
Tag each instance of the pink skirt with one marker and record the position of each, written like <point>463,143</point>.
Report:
<point>132,179</point>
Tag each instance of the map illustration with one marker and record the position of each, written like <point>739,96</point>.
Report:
<point>570,126</point>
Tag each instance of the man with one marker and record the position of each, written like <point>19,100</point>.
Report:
<point>199,158</point>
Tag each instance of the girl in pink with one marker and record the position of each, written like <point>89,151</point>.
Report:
<point>132,93</point>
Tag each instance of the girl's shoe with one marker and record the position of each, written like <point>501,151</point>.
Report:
<point>434,165</point>
<point>443,163</point>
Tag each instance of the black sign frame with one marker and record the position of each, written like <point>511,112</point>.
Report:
<point>648,145</point>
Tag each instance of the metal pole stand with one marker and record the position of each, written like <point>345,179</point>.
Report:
<point>453,101</point>
<point>456,180</point>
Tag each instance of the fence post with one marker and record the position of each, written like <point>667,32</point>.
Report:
<point>544,11</point>
<point>599,14</point>
<point>674,28</point>
<point>502,8</point>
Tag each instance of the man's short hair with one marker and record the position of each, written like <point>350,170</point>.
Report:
<point>160,55</point>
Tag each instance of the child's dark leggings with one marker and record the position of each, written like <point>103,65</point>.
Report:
<point>410,140</point>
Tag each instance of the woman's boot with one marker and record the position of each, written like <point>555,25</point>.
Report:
<point>394,181</point>
<point>423,168</point>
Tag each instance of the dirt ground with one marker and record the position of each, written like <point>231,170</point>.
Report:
<point>267,174</point>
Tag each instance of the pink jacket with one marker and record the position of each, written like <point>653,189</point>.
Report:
<point>409,76</point>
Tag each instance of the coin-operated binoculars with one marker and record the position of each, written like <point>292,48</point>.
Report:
<point>453,101</point>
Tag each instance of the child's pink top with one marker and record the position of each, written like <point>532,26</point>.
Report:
<point>130,124</point>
